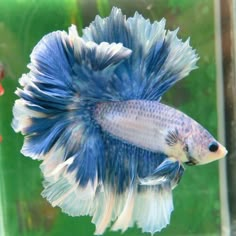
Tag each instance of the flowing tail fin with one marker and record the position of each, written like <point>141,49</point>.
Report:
<point>86,171</point>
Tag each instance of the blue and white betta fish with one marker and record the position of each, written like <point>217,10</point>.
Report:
<point>90,110</point>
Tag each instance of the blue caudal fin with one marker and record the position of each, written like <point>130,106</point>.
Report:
<point>86,171</point>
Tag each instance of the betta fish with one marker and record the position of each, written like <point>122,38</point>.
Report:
<point>90,109</point>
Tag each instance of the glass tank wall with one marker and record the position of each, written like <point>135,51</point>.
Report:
<point>22,24</point>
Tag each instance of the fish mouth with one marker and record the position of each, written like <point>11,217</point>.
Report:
<point>222,151</point>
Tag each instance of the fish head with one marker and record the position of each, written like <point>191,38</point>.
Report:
<point>201,147</point>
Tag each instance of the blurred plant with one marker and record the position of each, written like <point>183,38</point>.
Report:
<point>30,216</point>
<point>103,7</point>
<point>181,5</point>
<point>76,16</point>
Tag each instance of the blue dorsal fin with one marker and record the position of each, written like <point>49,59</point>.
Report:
<point>159,58</point>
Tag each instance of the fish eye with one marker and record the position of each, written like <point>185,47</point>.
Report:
<point>213,147</point>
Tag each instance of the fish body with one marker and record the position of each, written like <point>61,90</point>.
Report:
<point>90,110</point>
<point>158,128</point>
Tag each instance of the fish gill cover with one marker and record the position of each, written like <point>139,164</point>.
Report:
<point>88,171</point>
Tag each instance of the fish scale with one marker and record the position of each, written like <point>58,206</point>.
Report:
<point>141,123</point>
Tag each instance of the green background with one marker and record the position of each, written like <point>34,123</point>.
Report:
<point>22,25</point>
